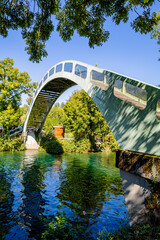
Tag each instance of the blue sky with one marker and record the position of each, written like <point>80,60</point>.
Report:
<point>126,52</point>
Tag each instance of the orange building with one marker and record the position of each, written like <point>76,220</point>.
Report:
<point>59,131</point>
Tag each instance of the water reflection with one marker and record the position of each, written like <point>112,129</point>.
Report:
<point>31,208</point>
<point>91,183</point>
<point>35,183</point>
<point>136,190</point>
<point>141,183</point>
<point>6,202</point>
<point>142,200</point>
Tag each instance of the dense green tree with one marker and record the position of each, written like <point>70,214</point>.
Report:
<point>10,118</point>
<point>12,85</point>
<point>156,29</point>
<point>25,108</point>
<point>55,117</point>
<point>35,19</point>
<point>84,119</point>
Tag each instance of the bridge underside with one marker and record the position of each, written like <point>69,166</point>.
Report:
<point>45,100</point>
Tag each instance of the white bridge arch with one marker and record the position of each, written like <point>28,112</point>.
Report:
<point>130,107</point>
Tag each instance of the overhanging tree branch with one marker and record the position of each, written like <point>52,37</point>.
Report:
<point>87,17</point>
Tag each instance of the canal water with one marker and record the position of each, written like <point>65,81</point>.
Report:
<point>34,185</point>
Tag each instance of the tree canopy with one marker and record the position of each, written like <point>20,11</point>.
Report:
<point>84,119</point>
<point>37,20</point>
<point>56,117</point>
<point>13,84</point>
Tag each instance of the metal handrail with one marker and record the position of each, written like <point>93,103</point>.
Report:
<point>19,128</point>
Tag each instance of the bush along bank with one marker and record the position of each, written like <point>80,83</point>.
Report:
<point>11,144</point>
<point>51,144</point>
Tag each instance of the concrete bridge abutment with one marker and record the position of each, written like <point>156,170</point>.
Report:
<point>31,142</point>
<point>140,176</point>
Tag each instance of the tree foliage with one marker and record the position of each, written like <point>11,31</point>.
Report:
<point>10,118</point>
<point>56,117</point>
<point>156,29</point>
<point>36,19</point>
<point>11,144</point>
<point>84,119</point>
<point>12,85</point>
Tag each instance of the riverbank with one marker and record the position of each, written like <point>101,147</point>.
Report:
<point>11,144</point>
<point>53,145</point>
<point>139,232</point>
<point>50,144</point>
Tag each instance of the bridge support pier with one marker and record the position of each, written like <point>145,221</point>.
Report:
<point>136,190</point>
<point>140,176</point>
<point>146,166</point>
<point>31,143</point>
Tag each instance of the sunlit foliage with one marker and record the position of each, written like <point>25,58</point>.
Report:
<point>37,19</point>
<point>84,119</point>
<point>12,85</point>
<point>55,117</point>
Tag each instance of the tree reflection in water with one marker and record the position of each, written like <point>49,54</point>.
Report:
<point>39,182</point>
<point>6,203</point>
<point>86,182</point>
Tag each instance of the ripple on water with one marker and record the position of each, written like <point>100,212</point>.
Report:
<point>33,184</point>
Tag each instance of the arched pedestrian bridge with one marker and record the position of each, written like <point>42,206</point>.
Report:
<point>130,107</point>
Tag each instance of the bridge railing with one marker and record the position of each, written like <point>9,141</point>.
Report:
<point>70,67</point>
<point>15,131</point>
<point>123,85</point>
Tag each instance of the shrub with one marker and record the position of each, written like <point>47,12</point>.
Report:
<point>66,228</point>
<point>50,144</point>
<point>132,233</point>
<point>80,146</point>
<point>11,144</point>
<point>109,143</point>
